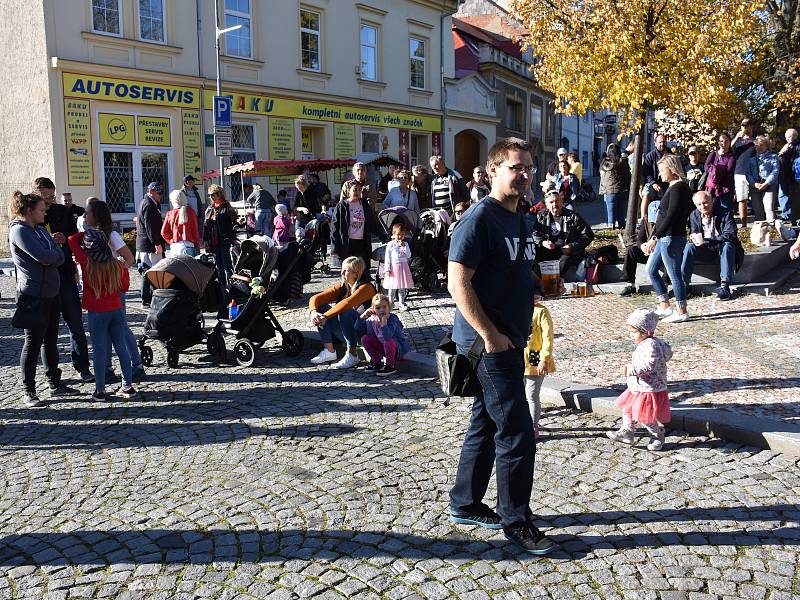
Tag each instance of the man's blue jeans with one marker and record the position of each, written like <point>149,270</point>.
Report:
<point>785,195</point>
<point>107,328</point>
<point>726,201</point>
<point>669,252</point>
<point>264,222</point>
<point>726,254</point>
<point>341,326</point>
<point>615,209</point>
<point>500,434</point>
<point>73,316</point>
<point>222,260</point>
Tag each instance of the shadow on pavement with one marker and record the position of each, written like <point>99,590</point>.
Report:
<point>165,546</point>
<point>752,312</point>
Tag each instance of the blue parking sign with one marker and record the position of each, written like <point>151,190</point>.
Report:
<point>223,111</point>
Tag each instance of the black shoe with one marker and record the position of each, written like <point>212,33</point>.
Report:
<point>111,377</point>
<point>529,539</point>
<point>724,292</point>
<point>87,377</point>
<point>486,518</point>
<point>371,366</point>
<point>628,291</point>
<point>62,390</point>
<point>385,371</point>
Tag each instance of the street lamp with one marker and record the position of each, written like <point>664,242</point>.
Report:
<point>219,34</point>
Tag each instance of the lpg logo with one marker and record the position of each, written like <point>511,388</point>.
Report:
<point>117,130</point>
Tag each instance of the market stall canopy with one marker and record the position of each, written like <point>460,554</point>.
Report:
<point>211,174</point>
<point>263,168</point>
<point>384,160</point>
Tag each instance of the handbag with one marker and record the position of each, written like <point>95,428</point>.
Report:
<point>28,314</point>
<point>458,372</point>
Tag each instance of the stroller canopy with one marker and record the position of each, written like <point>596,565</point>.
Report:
<point>189,271</point>
<point>388,216</point>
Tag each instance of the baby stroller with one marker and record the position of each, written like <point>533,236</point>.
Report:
<point>387,218</point>
<point>175,317</point>
<point>429,254</point>
<point>316,238</point>
<point>255,322</point>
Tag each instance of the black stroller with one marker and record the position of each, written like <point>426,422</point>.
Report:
<point>387,218</point>
<point>316,239</point>
<point>429,253</point>
<point>255,322</point>
<point>175,317</point>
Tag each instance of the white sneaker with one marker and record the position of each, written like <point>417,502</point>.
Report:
<point>664,312</point>
<point>323,357</point>
<point>676,318</point>
<point>349,361</point>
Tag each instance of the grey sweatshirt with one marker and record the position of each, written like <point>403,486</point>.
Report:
<point>37,258</point>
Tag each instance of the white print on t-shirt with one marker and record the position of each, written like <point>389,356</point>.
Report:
<point>513,246</point>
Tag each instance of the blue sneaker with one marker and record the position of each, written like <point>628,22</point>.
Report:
<point>487,519</point>
<point>137,374</point>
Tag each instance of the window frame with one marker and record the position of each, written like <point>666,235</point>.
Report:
<point>370,132</point>
<point>120,20</point>
<point>163,22</point>
<point>240,151</point>
<point>519,118</point>
<point>226,12</point>
<point>423,60</point>
<point>376,47</point>
<point>317,33</point>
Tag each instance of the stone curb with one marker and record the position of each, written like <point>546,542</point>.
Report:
<point>711,422</point>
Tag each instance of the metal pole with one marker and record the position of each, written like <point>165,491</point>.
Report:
<point>219,88</point>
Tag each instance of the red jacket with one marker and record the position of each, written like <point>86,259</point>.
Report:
<point>91,302</point>
<point>173,232</point>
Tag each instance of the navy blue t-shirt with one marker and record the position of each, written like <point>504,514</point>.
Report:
<point>486,239</point>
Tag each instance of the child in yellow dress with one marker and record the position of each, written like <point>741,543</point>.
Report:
<point>538,359</point>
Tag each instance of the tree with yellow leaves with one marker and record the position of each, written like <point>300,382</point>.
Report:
<point>630,56</point>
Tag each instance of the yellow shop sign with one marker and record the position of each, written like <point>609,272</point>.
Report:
<point>117,129</point>
<point>125,90</point>
<point>153,131</point>
<point>318,111</point>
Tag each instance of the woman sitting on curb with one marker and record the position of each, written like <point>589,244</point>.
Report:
<point>334,312</point>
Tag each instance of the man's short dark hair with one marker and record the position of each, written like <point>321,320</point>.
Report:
<point>43,183</point>
<point>499,151</point>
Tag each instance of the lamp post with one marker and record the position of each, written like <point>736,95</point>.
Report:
<point>219,34</point>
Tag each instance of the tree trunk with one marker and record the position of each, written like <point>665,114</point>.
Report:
<point>633,193</point>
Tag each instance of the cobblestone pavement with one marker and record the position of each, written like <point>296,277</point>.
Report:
<point>740,356</point>
<point>286,481</point>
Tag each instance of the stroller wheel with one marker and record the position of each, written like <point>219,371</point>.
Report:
<point>147,355</point>
<point>292,343</point>
<point>215,344</point>
<point>172,359</point>
<point>245,353</point>
<point>325,269</point>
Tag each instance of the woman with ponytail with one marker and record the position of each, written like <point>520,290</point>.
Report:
<point>104,280</point>
<point>180,226</point>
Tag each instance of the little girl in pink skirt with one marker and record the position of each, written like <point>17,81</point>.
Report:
<point>646,400</point>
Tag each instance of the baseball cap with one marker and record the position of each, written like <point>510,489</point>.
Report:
<point>561,151</point>
<point>154,186</point>
<point>189,178</point>
<point>550,192</point>
<point>692,150</point>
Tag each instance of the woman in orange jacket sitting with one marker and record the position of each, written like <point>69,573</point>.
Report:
<point>334,312</point>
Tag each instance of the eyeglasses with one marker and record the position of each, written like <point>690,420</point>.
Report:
<point>519,169</point>
<point>459,212</point>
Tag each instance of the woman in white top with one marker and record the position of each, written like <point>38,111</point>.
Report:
<point>402,195</point>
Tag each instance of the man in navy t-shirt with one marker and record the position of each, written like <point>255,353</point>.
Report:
<point>493,293</point>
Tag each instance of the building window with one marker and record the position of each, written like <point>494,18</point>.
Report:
<point>419,149</point>
<point>239,42</point>
<point>105,17</point>
<point>369,52</point>
<point>309,40</point>
<point>536,121</point>
<point>243,140</point>
<point>370,142</point>
<point>151,20</point>
<point>513,114</point>
<point>417,64</point>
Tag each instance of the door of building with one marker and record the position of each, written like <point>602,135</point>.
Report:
<point>126,174</point>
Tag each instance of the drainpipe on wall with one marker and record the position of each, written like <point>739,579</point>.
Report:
<point>198,4</point>
<point>442,93</point>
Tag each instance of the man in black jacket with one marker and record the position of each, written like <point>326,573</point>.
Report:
<point>149,243</point>
<point>560,233</point>
<point>61,224</point>
<point>712,237</point>
<point>789,189</point>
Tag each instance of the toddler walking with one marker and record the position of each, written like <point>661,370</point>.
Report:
<point>646,400</point>
<point>382,336</point>
<point>538,359</point>
<point>397,274</point>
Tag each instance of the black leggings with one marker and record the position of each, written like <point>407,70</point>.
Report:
<point>362,248</point>
<point>46,334</point>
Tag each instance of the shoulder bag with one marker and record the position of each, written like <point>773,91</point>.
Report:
<point>458,372</point>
